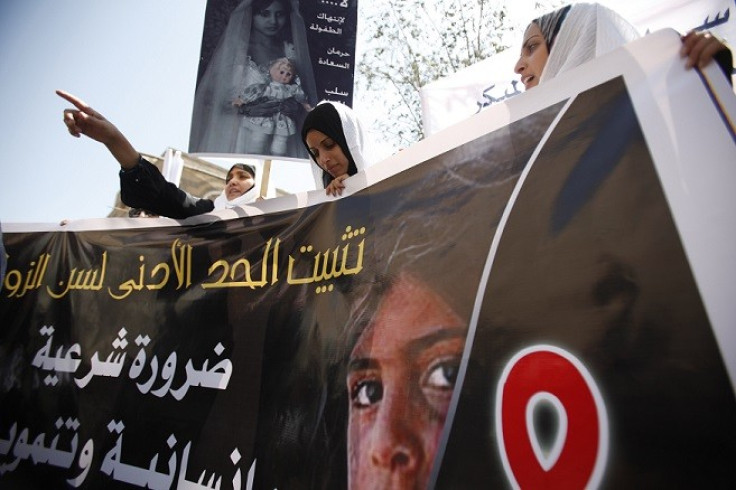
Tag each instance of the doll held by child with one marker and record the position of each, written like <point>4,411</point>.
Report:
<point>270,110</point>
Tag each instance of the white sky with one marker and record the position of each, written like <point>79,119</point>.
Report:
<point>135,61</point>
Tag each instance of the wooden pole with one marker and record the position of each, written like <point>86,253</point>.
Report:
<point>264,179</point>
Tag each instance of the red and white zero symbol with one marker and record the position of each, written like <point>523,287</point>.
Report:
<point>548,376</point>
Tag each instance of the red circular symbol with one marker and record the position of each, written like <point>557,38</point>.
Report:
<point>577,455</point>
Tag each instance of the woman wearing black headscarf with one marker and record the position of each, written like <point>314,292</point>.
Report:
<point>334,139</point>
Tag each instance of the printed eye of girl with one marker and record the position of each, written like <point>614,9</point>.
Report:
<point>366,393</point>
<point>442,375</point>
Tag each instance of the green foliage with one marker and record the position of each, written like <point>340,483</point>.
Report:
<point>409,43</point>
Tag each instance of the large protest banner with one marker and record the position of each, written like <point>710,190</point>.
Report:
<point>243,104</point>
<point>564,259</point>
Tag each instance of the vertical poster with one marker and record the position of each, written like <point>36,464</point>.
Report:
<point>263,65</point>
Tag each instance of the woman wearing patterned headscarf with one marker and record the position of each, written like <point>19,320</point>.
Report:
<point>568,37</point>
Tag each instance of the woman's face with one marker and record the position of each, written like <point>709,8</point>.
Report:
<point>270,20</point>
<point>533,57</point>
<point>238,182</point>
<point>400,380</point>
<point>327,153</point>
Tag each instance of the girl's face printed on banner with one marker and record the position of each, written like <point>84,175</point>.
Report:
<point>327,153</point>
<point>533,58</point>
<point>270,20</point>
<point>400,379</point>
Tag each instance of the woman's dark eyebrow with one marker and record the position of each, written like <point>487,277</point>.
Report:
<point>362,364</point>
<point>526,42</point>
<point>444,333</point>
<point>415,346</point>
<point>322,142</point>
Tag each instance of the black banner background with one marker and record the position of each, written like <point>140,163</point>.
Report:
<point>588,260</point>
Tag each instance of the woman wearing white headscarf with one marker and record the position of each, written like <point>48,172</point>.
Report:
<point>572,35</point>
<point>333,136</point>
<point>257,32</point>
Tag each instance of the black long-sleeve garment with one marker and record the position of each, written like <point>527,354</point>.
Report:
<point>144,187</point>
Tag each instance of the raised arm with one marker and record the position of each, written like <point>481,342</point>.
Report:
<point>141,183</point>
<point>83,120</point>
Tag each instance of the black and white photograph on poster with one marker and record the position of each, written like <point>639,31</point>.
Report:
<point>259,75</point>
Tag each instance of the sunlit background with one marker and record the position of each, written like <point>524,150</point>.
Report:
<point>134,61</point>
